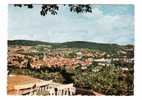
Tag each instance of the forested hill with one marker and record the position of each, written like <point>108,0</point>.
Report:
<point>110,48</point>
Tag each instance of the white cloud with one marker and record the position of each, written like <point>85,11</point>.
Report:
<point>96,27</point>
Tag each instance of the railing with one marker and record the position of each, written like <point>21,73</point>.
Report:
<point>50,89</point>
<point>80,91</point>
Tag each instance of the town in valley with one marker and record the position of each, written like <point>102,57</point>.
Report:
<point>71,68</point>
<point>70,50</point>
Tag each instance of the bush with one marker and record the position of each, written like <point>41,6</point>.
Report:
<point>109,81</point>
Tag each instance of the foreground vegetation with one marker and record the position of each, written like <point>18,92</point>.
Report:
<point>109,80</point>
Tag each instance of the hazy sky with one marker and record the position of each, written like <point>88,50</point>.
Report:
<point>107,24</point>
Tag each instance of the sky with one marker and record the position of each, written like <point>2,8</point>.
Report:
<point>106,24</point>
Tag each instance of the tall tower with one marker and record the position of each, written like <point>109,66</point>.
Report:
<point>44,57</point>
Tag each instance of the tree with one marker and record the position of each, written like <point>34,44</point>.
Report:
<point>109,81</point>
<point>53,8</point>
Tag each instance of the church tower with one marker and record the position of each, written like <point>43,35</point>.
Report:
<point>44,57</point>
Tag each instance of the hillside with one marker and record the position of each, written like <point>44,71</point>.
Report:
<point>109,48</point>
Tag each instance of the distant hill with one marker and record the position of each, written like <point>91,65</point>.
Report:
<point>26,42</point>
<point>109,48</point>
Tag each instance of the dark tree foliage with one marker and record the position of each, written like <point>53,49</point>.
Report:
<point>53,8</point>
<point>20,5</point>
<point>80,8</point>
<point>49,8</point>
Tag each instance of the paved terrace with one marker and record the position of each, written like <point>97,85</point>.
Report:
<point>26,85</point>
